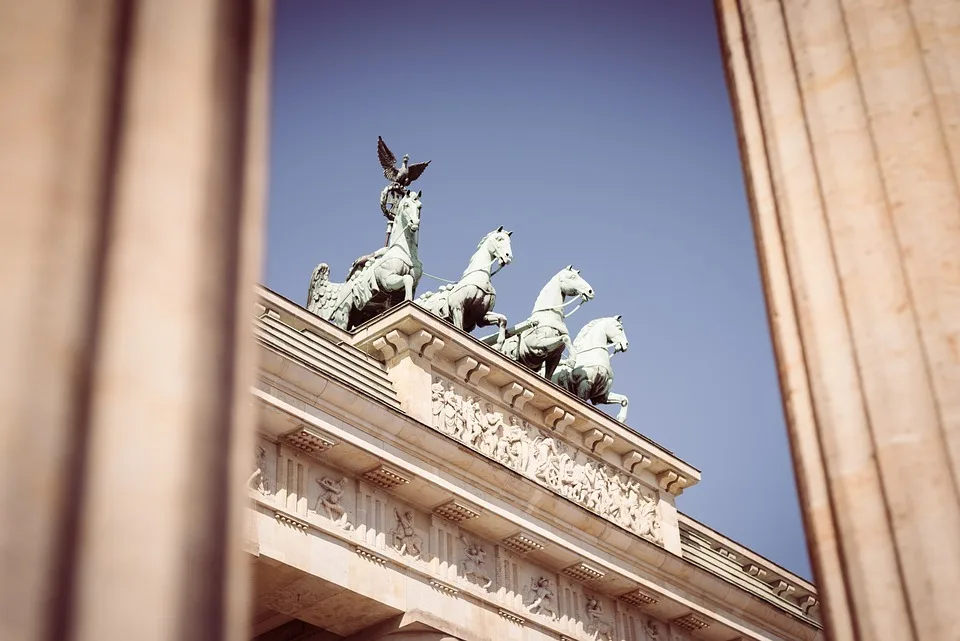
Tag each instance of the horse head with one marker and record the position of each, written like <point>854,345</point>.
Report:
<point>615,334</point>
<point>408,211</point>
<point>572,284</point>
<point>497,243</point>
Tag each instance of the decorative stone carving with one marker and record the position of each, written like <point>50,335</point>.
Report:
<point>781,588</point>
<point>456,511</point>
<point>724,552</point>
<point>583,572</point>
<point>473,562</point>
<point>596,624</point>
<point>465,366</point>
<point>635,461</point>
<point>290,520</point>
<point>542,594</point>
<point>691,622</point>
<point>807,603</point>
<point>671,482</point>
<point>331,498</point>
<point>405,537</point>
<point>510,616</point>
<point>310,440</point>
<point>443,587</point>
<point>258,480</point>
<point>638,599</point>
<point>754,570</point>
<point>542,457</point>
<point>386,477</point>
<point>364,553</point>
<point>651,628</point>
<point>557,419</point>
<point>597,440</point>
<point>523,543</point>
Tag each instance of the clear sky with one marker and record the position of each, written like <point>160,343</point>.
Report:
<point>601,134</point>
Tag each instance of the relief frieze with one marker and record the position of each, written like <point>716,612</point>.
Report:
<point>545,459</point>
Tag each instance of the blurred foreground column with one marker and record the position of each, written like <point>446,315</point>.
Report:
<point>131,189</point>
<point>849,122</point>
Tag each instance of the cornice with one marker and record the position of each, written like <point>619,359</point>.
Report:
<point>756,574</point>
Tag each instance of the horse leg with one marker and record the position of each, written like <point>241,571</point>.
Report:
<point>550,364</point>
<point>622,400</point>
<point>456,313</point>
<point>393,281</point>
<point>583,388</point>
<point>571,352</point>
<point>493,318</point>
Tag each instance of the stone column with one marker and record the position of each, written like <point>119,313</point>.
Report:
<point>129,249</point>
<point>849,120</point>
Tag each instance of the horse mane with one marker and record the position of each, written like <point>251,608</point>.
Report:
<point>487,237</point>
<point>483,240</point>
<point>582,334</point>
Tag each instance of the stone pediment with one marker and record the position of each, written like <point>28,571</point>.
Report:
<point>455,384</point>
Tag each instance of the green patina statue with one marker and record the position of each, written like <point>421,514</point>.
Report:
<point>588,374</point>
<point>469,302</point>
<point>377,281</point>
<point>540,346</point>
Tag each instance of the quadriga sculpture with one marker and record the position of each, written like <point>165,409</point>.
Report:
<point>541,346</point>
<point>589,374</point>
<point>375,282</point>
<point>469,302</point>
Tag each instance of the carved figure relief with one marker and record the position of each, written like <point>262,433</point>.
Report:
<point>547,460</point>
<point>596,625</point>
<point>258,480</point>
<point>510,447</point>
<point>473,562</point>
<point>652,630</point>
<point>542,593</point>
<point>405,538</point>
<point>331,498</point>
<point>437,394</point>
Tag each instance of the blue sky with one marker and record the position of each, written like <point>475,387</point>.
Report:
<point>601,134</point>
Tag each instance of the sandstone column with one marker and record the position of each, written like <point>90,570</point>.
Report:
<point>131,198</point>
<point>849,121</point>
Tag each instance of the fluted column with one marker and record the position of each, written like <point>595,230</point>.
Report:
<point>849,121</point>
<point>131,198</point>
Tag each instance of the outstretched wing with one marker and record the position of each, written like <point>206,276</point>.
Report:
<point>414,171</point>
<point>318,284</point>
<point>387,160</point>
<point>322,294</point>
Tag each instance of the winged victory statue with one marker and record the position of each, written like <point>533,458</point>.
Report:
<point>400,179</point>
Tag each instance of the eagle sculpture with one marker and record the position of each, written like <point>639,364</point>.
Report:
<point>402,176</point>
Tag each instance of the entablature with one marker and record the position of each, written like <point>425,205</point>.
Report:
<point>459,357</point>
<point>476,497</point>
<point>707,548</point>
